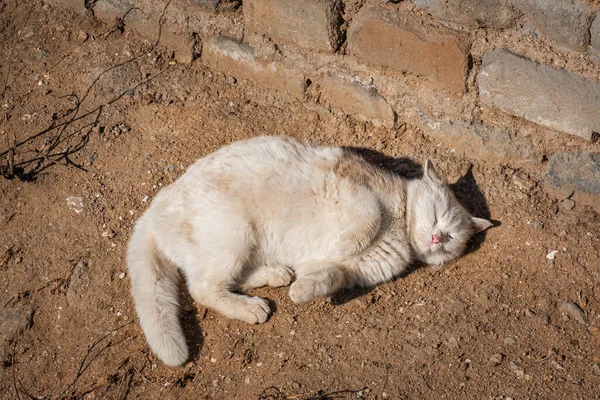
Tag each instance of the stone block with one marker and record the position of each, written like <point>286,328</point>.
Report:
<point>237,59</point>
<point>401,43</point>
<point>173,34</point>
<point>595,38</point>
<point>109,10</point>
<point>472,13</point>
<point>312,24</point>
<point>574,174</point>
<point>565,23</point>
<point>541,94</point>
<point>216,5</point>
<point>352,97</point>
<point>481,141</point>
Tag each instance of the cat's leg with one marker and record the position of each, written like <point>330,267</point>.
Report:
<point>275,276</point>
<point>253,310</point>
<point>221,247</point>
<point>317,280</point>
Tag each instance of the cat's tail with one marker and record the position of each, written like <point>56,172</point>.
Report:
<point>154,286</point>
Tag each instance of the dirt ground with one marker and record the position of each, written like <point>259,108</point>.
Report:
<point>493,325</point>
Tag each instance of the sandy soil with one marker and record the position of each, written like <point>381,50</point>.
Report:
<point>491,325</point>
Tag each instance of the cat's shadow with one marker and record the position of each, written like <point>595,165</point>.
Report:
<point>190,323</point>
<point>465,189</point>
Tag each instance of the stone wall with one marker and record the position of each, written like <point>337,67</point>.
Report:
<point>498,80</point>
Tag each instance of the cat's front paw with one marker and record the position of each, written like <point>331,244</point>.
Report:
<point>304,290</point>
<point>255,310</point>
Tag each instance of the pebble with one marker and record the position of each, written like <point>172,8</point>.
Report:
<point>75,203</point>
<point>551,254</point>
<point>556,365</point>
<point>523,182</point>
<point>567,204</point>
<point>517,369</point>
<point>538,225</point>
<point>146,199</point>
<point>510,341</point>
<point>574,311</point>
<point>231,80</point>
<point>596,368</point>
<point>83,36</point>
<point>496,359</point>
<point>122,275</point>
<point>529,313</point>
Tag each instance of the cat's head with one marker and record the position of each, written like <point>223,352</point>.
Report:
<point>440,226</point>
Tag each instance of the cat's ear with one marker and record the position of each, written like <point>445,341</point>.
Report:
<point>430,173</point>
<point>480,224</point>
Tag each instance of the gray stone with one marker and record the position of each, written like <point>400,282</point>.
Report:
<point>237,58</point>
<point>564,22</point>
<point>595,38</point>
<point>473,13</point>
<point>354,98</point>
<point>510,341</point>
<point>541,94</point>
<point>577,173</point>
<point>480,140</point>
<point>109,10</point>
<point>217,5</point>
<point>11,321</point>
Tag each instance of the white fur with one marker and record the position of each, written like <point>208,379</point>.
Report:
<point>260,211</point>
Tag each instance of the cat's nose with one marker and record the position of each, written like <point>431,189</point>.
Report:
<point>435,239</point>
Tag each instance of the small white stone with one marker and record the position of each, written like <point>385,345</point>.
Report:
<point>75,203</point>
<point>122,275</point>
<point>551,254</point>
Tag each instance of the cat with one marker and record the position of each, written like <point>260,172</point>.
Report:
<point>276,211</point>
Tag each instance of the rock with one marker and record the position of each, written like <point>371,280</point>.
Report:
<point>541,94</point>
<point>551,254</point>
<point>567,204</point>
<point>517,369</point>
<point>472,13</point>
<point>538,225</point>
<point>83,36</point>
<point>496,359</point>
<point>574,311</point>
<point>595,39</point>
<point>523,182</point>
<point>237,59</point>
<point>565,23</point>
<point>529,313</point>
<point>312,24</point>
<point>596,368</point>
<point>482,141</point>
<point>75,203</point>
<point>510,341</point>
<point>400,42</point>
<point>12,320</point>
<point>575,175</point>
<point>345,92</point>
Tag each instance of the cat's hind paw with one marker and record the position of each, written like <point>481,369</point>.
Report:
<point>276,276</point>
<point>304,290</point>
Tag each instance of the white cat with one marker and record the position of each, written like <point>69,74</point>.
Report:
<point>263,211</point>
